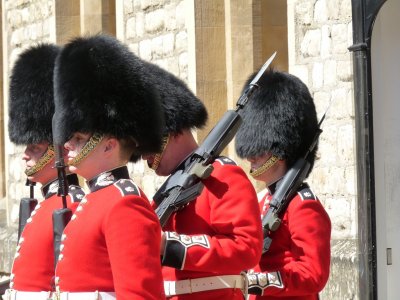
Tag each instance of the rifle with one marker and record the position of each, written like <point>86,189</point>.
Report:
<point>285,191</point>
<point>61,216</point>
<point>26,206</point>
<point>184,184</point>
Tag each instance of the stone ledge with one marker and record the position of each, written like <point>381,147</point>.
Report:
<point>343,279</point>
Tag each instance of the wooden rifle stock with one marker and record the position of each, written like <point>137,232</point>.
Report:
<point>26,206</point>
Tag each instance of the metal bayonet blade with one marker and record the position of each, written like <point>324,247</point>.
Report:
<point>263,68</point>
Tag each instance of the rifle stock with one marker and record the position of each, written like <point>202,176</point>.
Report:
<point>61,217</point>
<point>26,206</point>
<point>184,184</point>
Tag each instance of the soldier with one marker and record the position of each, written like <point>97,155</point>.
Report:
<point>207,244</point>
<point>31,107</point>
<point>108,116</point>
<point>279,124</point>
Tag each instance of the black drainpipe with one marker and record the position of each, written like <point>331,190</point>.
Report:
<point>364,13</point>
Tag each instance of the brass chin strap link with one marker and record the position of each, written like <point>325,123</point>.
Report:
<point>158,156</point>
<point>42,162</point>
<point>268,164</point>
<point>92,143</point>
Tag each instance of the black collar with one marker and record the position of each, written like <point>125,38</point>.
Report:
<point>107,178</point>
<point>51,188</point>
<point>274,186</point>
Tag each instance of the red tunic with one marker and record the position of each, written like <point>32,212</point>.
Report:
<point>112,242</point>
<point>224,226</point>
<point>33,266</point>
<point>297,263</point>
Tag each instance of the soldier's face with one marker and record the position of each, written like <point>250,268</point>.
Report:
<point>178,148</point>
<point>101,157</point>
<point>32,154</point>
<point>73,147</point>
<point>166,165</point>
<point>272,174</point>
<point>75,144</point>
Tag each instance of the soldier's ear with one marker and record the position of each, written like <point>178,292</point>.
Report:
<point>111,144</point>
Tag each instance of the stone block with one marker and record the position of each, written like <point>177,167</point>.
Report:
<point>130,30</point>
<point>330,77</point>
<point>154,21</point>
<point>311,43</point>
<point>180,15</point>
<point>339,39</point>
<point>304,12</point>
<point>333,8</point>
<point>317,75</point>
<point>168,44</point>
<point>320,12</point>
<point>345,70</point>
<point>339,210</point>
<point>140,31</point>
<point>145,51</point>
<point>181,41</point>
<point>326,42</point>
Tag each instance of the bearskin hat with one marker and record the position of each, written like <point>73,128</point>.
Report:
<point>279,118</point>
<point>31,103</point>
<point>100,86</point>
<point>183,110</point>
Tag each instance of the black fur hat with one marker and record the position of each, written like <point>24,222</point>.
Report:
<point>101,86</point>
<point>280,118</point>
<point>31,104</point>
<point>183,110</point>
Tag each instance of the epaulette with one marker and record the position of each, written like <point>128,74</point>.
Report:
<point>306,193</point>
<point>223,160</point>
<point>127,187</point>
<point>76,193</point>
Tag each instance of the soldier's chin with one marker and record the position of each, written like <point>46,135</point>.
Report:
<point>150,164</point>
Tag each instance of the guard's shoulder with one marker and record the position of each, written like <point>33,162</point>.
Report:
<point>76,193</point>
<point>306,193</point>
<point>223,160</point>
<point>127,187</point>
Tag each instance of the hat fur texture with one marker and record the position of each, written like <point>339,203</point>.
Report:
<point>31,103</point>
<point>101,86</point>
<point>280,118</point>
<point>183,110</point>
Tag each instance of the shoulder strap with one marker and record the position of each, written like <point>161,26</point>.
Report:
<point>223,160</point>
<point>306,193</point>
<point>76,193</point>
<point>127,187</point>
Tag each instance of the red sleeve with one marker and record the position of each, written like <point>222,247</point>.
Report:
<point>132,234</point>
<point>305,265</point>
<point>234,240</point>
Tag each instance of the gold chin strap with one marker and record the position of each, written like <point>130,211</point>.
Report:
<point>92,143</point>
<point>158,156</point>
<point>43,161</point>
<point>268,164</point>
